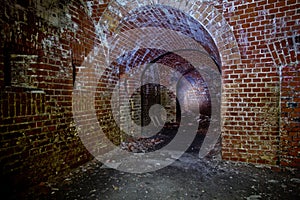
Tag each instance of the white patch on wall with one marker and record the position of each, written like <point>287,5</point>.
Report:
<point>243,40</point>
<point>263,12</point>
<point>232,8</point>
<point>89,5</point>
<point>206,1</point>
<point>115,11</point>
<point>278,24</point>
<point>121,2</point>
<point>50,45</point>
<point>50,42</point>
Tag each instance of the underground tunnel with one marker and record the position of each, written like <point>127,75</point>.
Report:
<point>135,90</point>
<point>192,99</point>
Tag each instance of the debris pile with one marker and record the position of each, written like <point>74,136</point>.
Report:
<point>141,145</point>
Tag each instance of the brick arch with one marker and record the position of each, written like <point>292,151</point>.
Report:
<point>204,13</point>
<point>286,57</point>
<point>167,17</point>
<point>284,51</point>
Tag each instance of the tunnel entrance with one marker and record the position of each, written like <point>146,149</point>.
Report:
<point>163,64</point>
<point>193,100</point>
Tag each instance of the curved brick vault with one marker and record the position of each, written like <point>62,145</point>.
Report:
<point>159,17</point>
<point>134,59</point>
<point>212,26</point>
<point>45,46</point>
<point>249,79</point>
<point>203,24</point>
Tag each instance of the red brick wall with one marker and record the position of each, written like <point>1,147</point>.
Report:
<point>267,35</point>
<point>251,37</point>
<point>41,43</point>
<point>255,42</point>
<point>290,116</point>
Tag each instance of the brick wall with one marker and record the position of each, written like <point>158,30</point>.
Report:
<point>248,35</point>
<point>290,116</point>
<point>267,35</point>
<point>45,47</point>
<point>42,46</point>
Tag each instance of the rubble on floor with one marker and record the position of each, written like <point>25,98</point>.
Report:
<point>187,178</point>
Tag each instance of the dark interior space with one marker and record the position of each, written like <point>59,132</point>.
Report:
<point>153,99</point>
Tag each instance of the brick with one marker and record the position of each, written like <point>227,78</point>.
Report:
<point>249,84</point>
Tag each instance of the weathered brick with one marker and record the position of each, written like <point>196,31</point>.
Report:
<point>251,51</point>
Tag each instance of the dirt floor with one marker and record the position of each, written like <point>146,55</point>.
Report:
<point>187,178</point>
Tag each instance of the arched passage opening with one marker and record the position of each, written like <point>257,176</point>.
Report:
<point>130,42</point>
<point>189,96</point>
<point>146,40</point>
